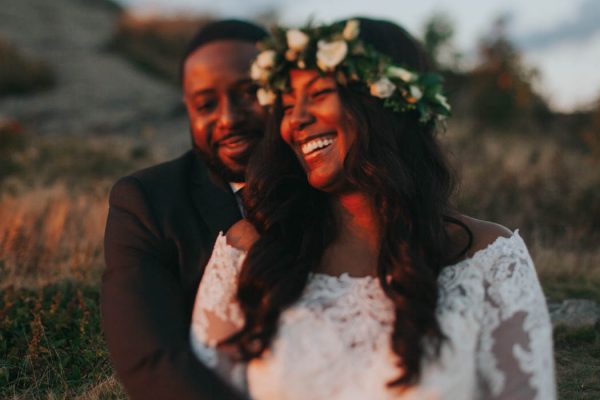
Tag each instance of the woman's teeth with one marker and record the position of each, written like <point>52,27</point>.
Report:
<point>315,144</point>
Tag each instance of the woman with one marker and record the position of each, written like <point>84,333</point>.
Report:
<point>353,278</point>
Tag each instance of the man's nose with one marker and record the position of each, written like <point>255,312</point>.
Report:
<point>229,114</point>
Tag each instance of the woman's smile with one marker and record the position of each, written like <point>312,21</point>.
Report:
<point>316,144</point>
<point>315,127</point>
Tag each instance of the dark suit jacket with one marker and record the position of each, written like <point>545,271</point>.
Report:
<point>161,228</point>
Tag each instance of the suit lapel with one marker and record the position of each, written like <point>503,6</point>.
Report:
<point>213,199</point>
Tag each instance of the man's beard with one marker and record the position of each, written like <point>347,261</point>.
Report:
<point>214,163</point>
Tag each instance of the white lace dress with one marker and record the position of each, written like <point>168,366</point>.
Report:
<point>334,342</point>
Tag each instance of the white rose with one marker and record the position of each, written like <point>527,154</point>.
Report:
<point>296,39</point>
<point>415,92</point>
<point>383,88</point>
<point>443,101</point>
<point>401,73</point>
<point>265,97</point>
<point>266,59</point>
<point>351,30</point>
<point>330,54</point>
<point>258,74</point>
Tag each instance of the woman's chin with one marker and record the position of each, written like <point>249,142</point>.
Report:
<point>327,184</point>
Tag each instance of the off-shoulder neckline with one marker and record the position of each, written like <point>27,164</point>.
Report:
<point>345,276</point>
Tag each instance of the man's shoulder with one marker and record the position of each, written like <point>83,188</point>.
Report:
<point>166,171</point>
<point>161,180</point>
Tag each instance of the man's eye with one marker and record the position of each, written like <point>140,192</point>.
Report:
<point>248,92</point>
<point>251,89</point>
<point>205,106</point>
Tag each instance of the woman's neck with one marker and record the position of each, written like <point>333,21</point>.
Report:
<point>356,219</point>
<point>355,249</point>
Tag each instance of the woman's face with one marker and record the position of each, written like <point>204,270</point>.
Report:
<point>315,126</point>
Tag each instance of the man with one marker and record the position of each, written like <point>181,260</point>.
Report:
<point>163,222</point>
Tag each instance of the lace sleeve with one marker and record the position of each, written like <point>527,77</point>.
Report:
<point>216,313</point>
<point>515,359</point>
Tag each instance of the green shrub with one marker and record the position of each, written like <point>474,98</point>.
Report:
<point>50,341</point>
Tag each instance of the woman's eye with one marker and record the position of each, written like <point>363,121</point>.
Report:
<point>322,92</point>
<point>287,108</point>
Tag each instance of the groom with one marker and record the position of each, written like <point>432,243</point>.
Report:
<point>163,222</point>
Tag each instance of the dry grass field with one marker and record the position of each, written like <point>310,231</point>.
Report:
<point>53,206</point>
<point>547,190</point>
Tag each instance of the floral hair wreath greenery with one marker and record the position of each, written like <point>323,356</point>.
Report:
<point>337,50</point>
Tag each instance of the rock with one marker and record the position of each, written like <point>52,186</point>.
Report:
<point>575,313</point>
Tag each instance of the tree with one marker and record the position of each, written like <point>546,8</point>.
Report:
<point>437,39</point>
<point>501,85</point>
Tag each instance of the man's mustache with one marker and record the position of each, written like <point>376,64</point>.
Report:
<point>245,133</point>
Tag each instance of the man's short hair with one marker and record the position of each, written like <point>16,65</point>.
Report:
<point>227,29</point>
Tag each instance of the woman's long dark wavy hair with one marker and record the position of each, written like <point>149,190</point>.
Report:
<point>398,161</point>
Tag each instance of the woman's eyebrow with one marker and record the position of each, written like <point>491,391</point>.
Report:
<point>308,84</point>
<point>312,81</point>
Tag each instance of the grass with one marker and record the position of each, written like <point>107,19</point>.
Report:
<point>53,205</point>
<point>51,342</point>
<point>550,192</point>
<point>578,362</point>
<point>29,161</point>
<point>51,235</point>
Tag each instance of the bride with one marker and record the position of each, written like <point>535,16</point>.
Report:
<point>352,277</point>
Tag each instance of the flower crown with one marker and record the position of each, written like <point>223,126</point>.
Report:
<point>337,50</point>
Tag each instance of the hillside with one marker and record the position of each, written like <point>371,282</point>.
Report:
<point>97,92</point>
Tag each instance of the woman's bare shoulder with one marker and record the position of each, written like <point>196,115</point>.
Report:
<point>484,232</point>
<point>242,235</point>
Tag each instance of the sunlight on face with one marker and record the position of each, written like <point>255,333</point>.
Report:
<point>314,125</point>
<point>225,117</point>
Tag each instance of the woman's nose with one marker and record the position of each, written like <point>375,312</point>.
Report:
<point>301,116</point>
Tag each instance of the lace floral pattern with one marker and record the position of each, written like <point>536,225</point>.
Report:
<point>334,342</point>
<point>216,298</point>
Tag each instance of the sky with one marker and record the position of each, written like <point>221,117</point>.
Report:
<point>560,38</point>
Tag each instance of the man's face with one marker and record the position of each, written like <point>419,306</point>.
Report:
<point>225,118</point>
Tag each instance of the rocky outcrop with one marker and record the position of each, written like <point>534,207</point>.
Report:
<point>97,92</point>
<point>575,313</point>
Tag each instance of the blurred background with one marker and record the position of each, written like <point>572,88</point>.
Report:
<point>89,92</point>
